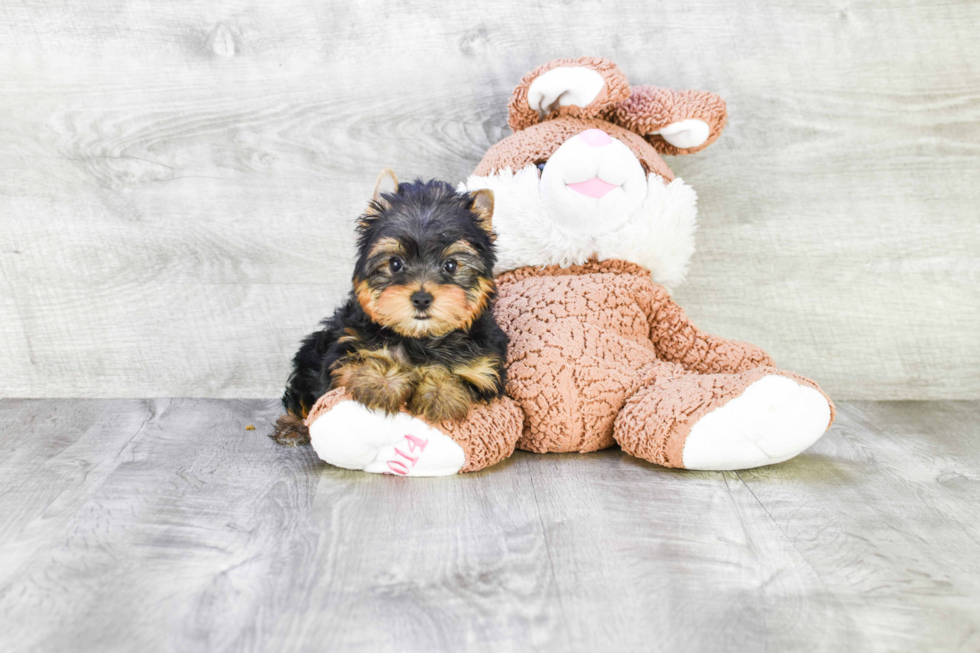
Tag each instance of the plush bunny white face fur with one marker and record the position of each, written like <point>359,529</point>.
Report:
<point>592,184</point>
<point>542,218</point>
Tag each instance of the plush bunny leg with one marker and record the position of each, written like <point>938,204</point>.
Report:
<point>346,434</point>
<point>724,421</point>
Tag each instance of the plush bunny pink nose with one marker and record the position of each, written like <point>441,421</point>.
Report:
<point>595,137</point>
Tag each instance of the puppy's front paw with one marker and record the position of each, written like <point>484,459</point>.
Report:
<point>439,395</point>
<point>380,396</point>
<point>379,382</point>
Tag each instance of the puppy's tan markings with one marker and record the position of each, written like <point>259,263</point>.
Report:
<point>438,395</point>
<point>367,298</point>
<point>461,248</point>
<point>349,336</point>
<point>387,247</point>
<point>449,311</point>
<point>483,372</point>
<point>479,297</point>
<point>394,309</point>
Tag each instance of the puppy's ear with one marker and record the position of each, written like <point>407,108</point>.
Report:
<point>483,208</point>
<point>387,184</point>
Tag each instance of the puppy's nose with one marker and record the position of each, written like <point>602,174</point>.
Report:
<point>421,299</point>
<point>595,137</point>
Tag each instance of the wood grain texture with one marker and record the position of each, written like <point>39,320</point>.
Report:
<point>178,182</point>
<point>165,525</point>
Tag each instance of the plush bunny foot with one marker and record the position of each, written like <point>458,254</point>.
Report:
<point>347,434</point>
<point>724,421</point>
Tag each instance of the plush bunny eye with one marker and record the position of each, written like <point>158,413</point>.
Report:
<point>541,166</point>
<point>395,264</point>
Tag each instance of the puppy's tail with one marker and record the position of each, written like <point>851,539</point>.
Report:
<point>290,430</point>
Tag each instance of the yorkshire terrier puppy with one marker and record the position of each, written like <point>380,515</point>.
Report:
<point>417,329</point>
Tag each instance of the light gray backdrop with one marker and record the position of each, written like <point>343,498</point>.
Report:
<point>178,181</point>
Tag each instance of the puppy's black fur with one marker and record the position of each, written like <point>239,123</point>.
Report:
<point>417,328</point>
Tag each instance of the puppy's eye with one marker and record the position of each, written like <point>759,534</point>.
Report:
<point>396,264</point>
<point>450,266</point>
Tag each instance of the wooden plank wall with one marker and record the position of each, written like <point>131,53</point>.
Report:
<point>178,181</point>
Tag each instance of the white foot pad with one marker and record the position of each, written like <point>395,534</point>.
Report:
<point>773,420</point>
<point>355,437</point>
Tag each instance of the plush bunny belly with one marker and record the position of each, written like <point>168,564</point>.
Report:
<point>579,348</point>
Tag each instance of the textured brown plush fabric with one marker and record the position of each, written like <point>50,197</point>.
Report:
<point>585,338</point>
<point>536,144</point>
<point>656,421</point>
<point>487,436</point>
<point>651,108</point>
<point>521,115</point>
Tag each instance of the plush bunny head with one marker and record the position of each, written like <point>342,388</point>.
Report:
<point>582,174</point>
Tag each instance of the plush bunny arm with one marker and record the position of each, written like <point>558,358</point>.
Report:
<point>583,88</point>
<point>674,122</point>
<point>677,340</point>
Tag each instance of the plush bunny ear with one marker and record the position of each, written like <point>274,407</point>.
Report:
<point>567,87</point>
<point>674,122</point>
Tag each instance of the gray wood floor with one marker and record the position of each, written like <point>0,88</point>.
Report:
<point>165,525</point>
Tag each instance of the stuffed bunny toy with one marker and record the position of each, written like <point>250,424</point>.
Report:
<point>592,229</point>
